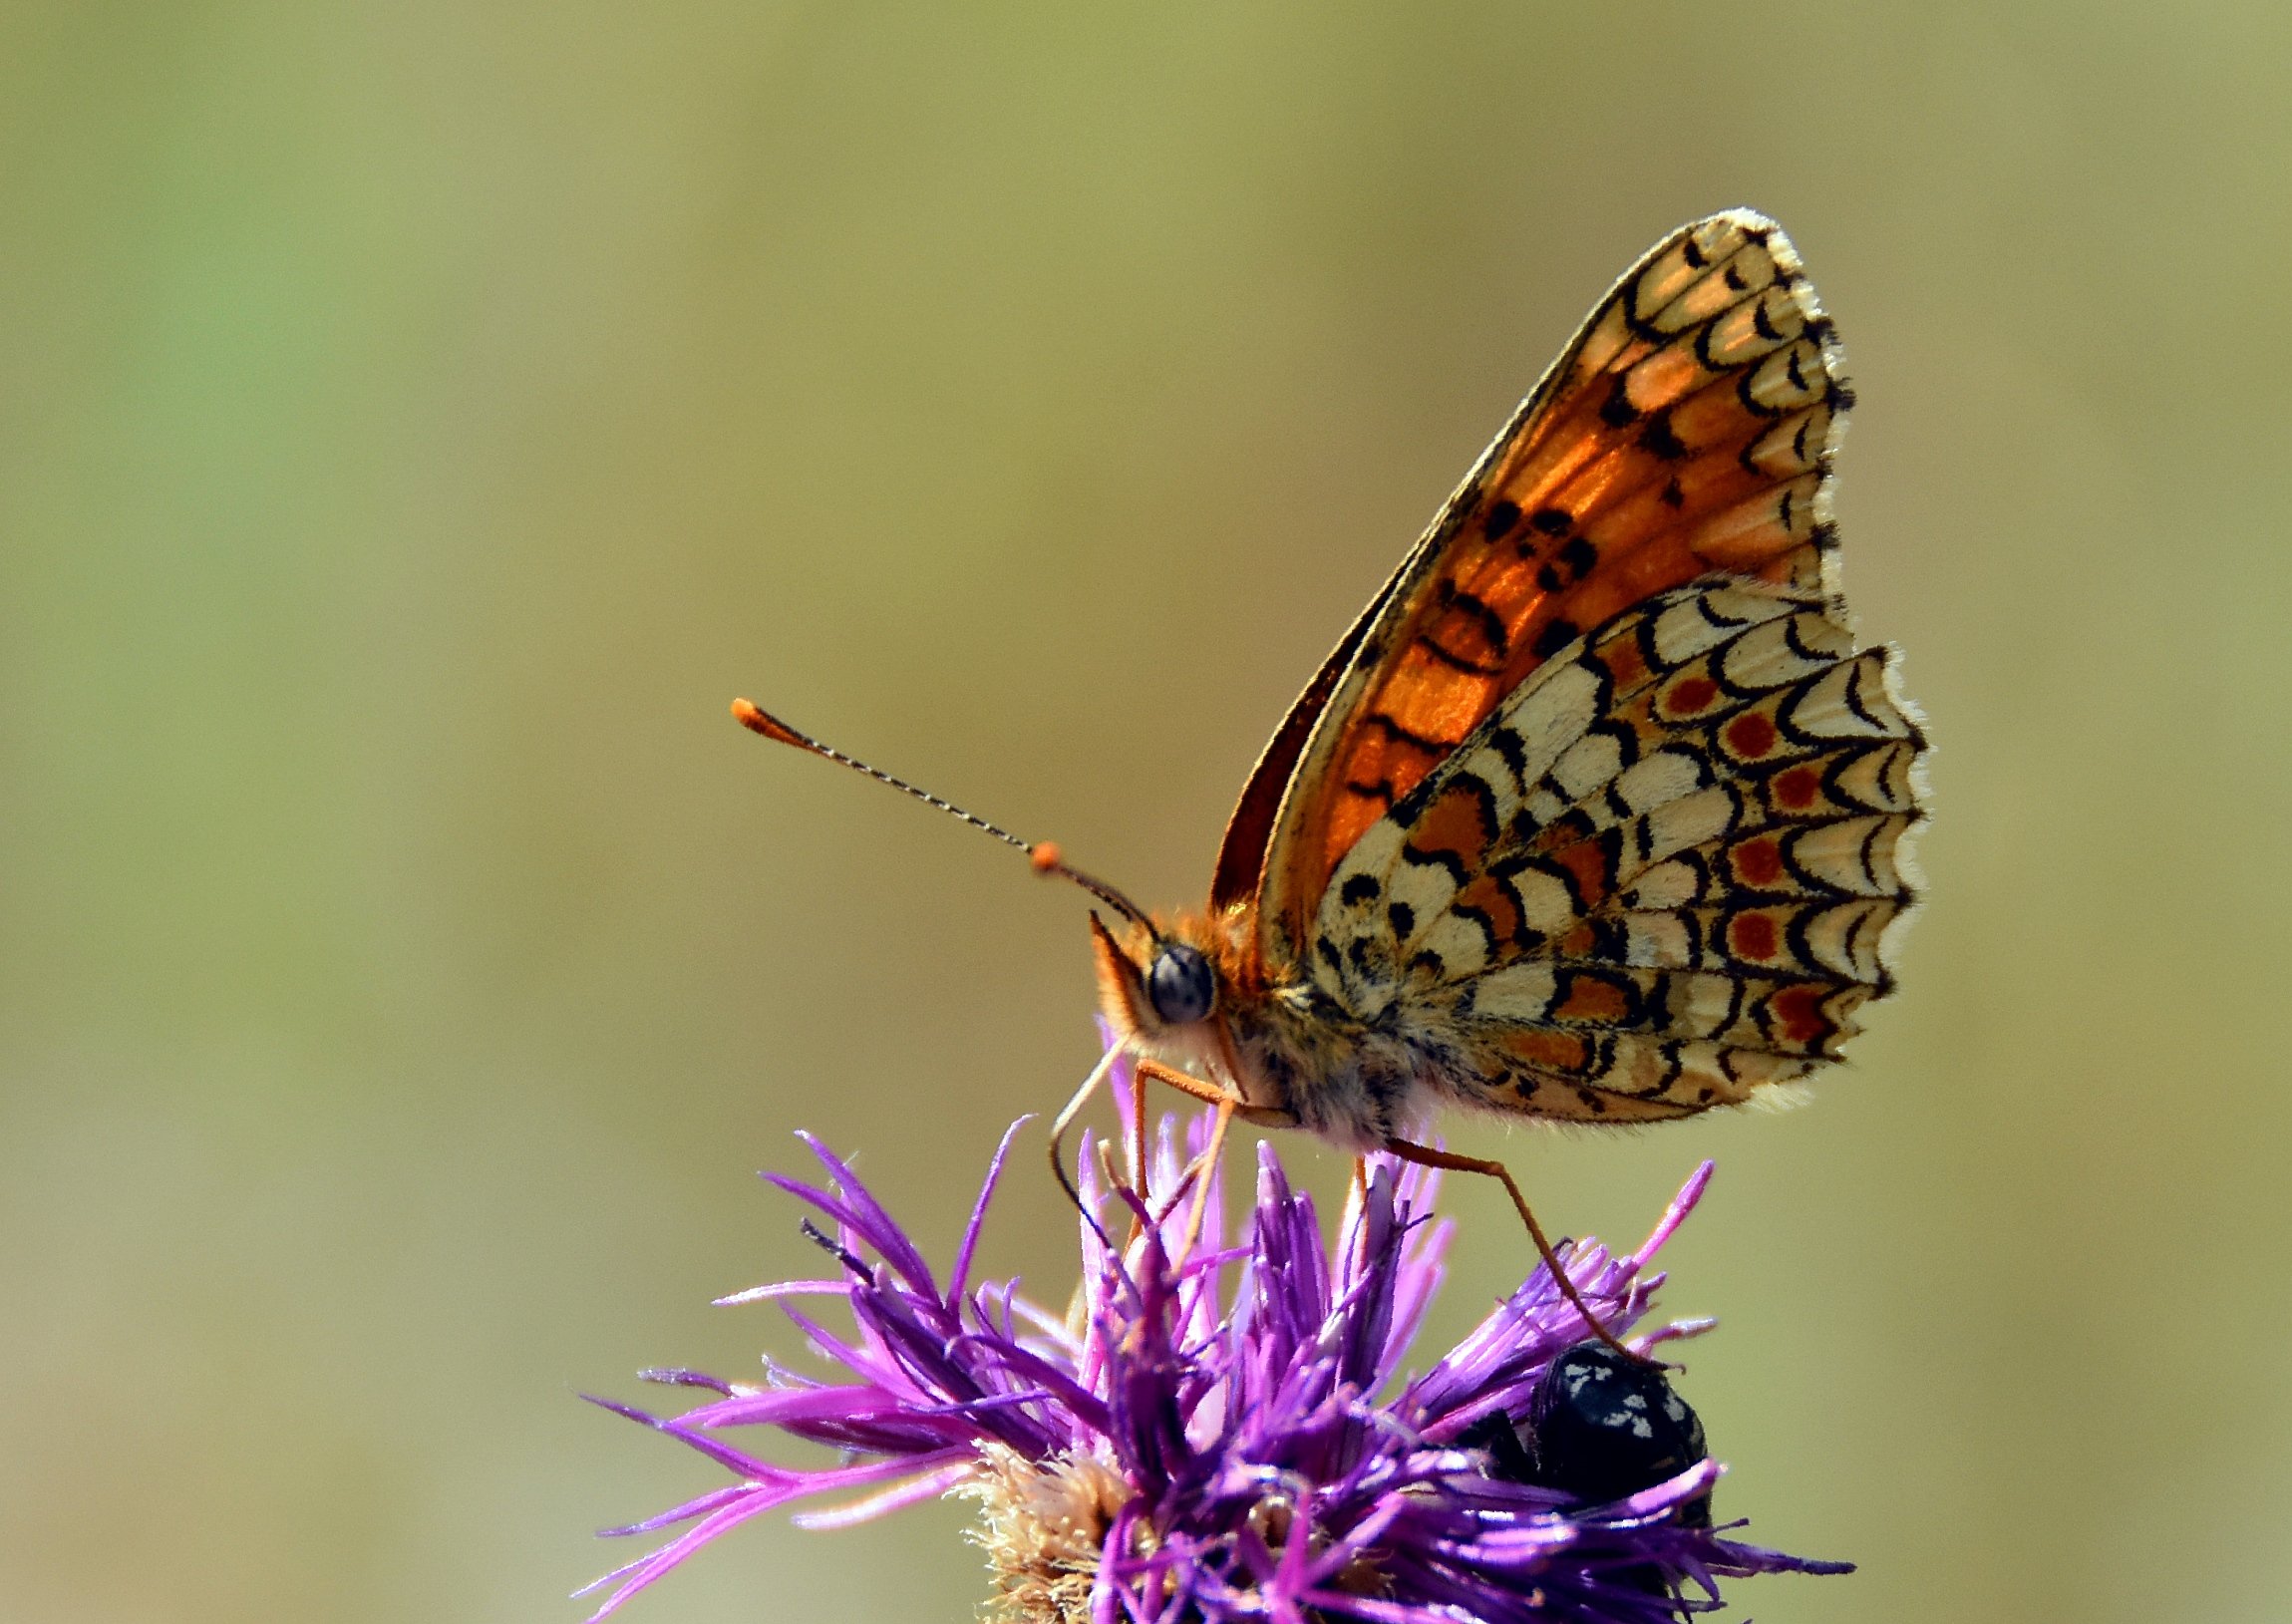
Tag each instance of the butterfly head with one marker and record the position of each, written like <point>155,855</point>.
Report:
<point>1169,988</point>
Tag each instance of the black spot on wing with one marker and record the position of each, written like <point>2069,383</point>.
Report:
<point>1660,439</point>
<point>1611,939</point>
<point>1556,635</point>
<point>1616,411</point>
<point>1509,744</point>
<point>1571,564</point>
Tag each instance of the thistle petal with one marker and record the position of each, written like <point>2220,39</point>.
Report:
<point>1205,1436</point>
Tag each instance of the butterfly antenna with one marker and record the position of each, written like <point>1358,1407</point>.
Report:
<point>1042,856</point>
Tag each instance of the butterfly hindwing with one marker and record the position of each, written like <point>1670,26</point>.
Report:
<point>1688,427</point>
<point>1663,872</point>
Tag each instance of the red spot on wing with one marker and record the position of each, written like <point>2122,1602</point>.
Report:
<point>1796,788</point>
<point>1751,736</point>
<point>1798,1015</point>
<point>1753,937</point>
<point>1757,863</point>
<point>1691,696</point>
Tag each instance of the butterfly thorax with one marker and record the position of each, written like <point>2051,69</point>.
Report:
<point>1294,1055</point>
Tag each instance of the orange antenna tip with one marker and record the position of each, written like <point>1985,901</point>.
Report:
<point>752,716</point>
<point>1045,856</point>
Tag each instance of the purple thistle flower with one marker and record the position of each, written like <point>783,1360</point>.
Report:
<point>1214,1433</point>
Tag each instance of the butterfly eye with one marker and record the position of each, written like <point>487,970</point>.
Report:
<point>1179,985</point>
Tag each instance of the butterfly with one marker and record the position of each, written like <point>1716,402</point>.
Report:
<point>1599,813</point>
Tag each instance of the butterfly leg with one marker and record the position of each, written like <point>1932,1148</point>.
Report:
<point>1065,1119</point>
<point>1424,1156</point>
<point>1229,1106</point>
<point>1209,1094</point>
<point>1138,1157</point>
<point>1205,1166</point>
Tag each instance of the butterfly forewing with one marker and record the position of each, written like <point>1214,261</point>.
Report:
<point>1687,429</point>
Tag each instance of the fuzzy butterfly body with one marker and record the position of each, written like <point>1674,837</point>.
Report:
<point>1598,813</point>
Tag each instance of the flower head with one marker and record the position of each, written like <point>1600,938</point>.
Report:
<point>1220,1430</point>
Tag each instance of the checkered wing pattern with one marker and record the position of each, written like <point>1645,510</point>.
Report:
<point>1666,870</point>
<point>1687,429</point>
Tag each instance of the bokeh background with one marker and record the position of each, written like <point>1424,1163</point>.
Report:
<point>417,421</point>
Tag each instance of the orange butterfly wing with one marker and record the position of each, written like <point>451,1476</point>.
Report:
<point>1688,427</point>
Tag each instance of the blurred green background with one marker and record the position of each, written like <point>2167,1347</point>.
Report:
<point>417,421</point>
